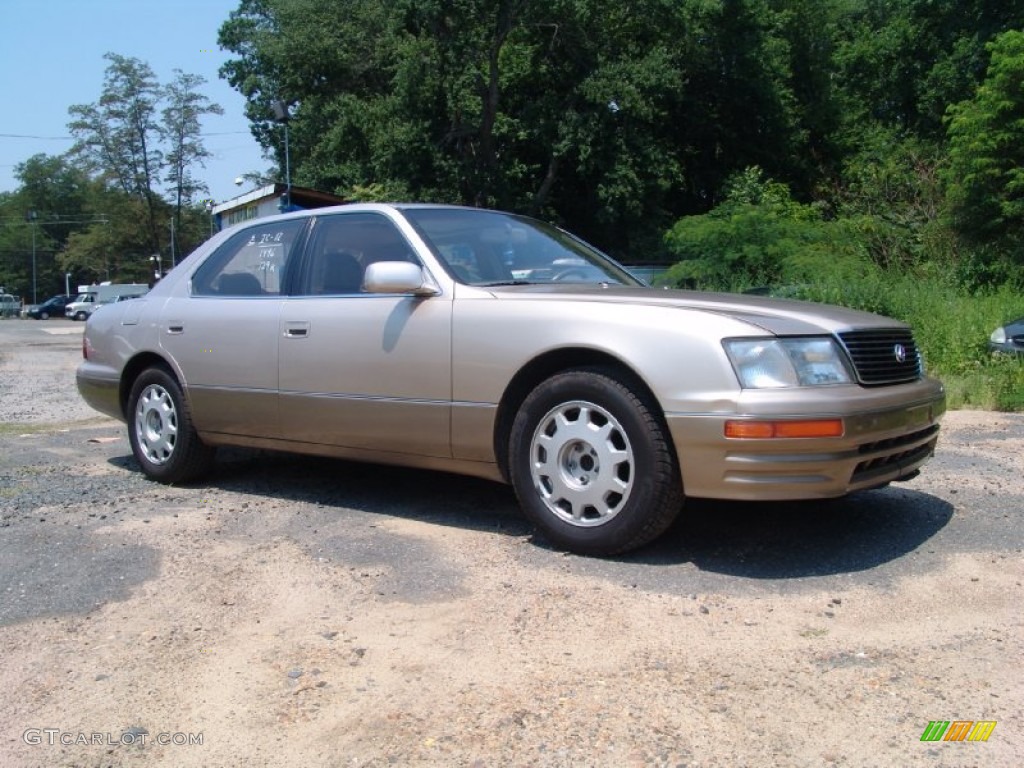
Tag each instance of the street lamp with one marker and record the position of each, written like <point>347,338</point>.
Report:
<point>281,116</point>
<point>31,217</point>
<point>67,283</point>
<point>159,271</point>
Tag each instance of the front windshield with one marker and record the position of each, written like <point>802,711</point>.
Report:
<point>480,247</point>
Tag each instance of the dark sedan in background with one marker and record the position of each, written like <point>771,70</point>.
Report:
<point>52,307</point>
<point>1008,338</point>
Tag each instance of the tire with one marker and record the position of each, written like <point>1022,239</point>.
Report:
<point>44,315</point>
<point>161,432</point>
<point>591,465</point>
<point>81,316</point>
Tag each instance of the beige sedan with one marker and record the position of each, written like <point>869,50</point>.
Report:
<point>494,345</point>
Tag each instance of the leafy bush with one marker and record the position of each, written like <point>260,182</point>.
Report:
<point>758,236</point>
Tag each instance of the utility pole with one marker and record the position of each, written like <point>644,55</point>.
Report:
<point>172,242</point>
<point>31,217</point>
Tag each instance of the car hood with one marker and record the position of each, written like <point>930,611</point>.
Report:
<point>777,316</point>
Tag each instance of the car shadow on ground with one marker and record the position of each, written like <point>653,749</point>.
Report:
<point>753,540</point>
<point>371,489</point>
<point>791,540</point>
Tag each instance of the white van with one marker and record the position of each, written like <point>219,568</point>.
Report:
<point>93,296</point>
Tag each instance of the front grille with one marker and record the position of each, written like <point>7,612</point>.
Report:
<point>882,357</point>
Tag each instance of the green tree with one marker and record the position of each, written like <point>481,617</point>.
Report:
<point>57,194</point>
<point>902,62</point>
<point>986,152</point>
<point>181,129</point>
<point>137,137</point>
<point>118,137</point>
<point>604,116</point>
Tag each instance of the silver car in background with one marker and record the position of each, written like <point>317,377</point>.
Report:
<point>494,345</point>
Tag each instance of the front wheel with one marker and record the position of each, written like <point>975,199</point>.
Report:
<point>591,465</point>
<point>81,315</point>
<point>161,432</point>
<point>44,315</point>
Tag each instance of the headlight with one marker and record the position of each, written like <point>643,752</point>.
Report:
<point>773,363</point>
<point>998,336</point>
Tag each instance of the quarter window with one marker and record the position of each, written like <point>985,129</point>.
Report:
<point>251,263</point>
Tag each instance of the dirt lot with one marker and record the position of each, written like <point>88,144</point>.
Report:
<point>298,612</point>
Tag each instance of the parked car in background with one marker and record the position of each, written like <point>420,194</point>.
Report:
<point>1008,338</point>
<point>52,307</point>
<point>96,295</point>
<point>495,345</point>
<point>10,306</point>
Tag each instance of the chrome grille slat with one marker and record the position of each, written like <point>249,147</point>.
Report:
<point>874,356</point>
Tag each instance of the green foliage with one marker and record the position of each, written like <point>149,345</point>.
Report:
<point>58,194</point>
<point>616,119</point>
<point>759,236</point>
<point>603,116</point>
<point>986,153</point>
<point>901,62</point>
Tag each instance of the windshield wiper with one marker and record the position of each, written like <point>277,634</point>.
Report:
<point>506,282</point>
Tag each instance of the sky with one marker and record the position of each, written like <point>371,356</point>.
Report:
<point>51,56</point>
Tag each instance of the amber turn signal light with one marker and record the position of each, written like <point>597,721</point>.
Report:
<point>768,430</point>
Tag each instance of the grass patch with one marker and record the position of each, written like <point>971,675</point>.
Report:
<point>34,428</point>
<point>8,429</point>
<point>995,387</point>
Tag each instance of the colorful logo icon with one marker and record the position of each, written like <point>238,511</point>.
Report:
<point>958,730</point>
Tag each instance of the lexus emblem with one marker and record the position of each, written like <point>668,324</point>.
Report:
<point>901,353</point>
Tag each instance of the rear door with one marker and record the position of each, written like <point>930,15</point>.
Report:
<point>223,334</point>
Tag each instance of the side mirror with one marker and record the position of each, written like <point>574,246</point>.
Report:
<point>398,277</point>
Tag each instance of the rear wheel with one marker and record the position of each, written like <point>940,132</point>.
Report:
<point>161,432</point>
<point>591,465</point>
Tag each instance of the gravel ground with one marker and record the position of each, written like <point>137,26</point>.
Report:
<point>304,612</point>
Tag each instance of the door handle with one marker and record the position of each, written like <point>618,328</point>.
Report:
<point>296,330</point>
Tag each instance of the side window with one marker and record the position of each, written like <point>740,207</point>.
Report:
<point>250,263</point>
<point>341,248</point>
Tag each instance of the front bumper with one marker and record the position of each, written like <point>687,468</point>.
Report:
<point>889,433</point>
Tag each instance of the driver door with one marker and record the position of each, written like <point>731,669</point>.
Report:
<point>360,370</point>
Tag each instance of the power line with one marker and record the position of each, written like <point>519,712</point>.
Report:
<point>72,138</point>
<point>60,218</point>
<point>27,136</point>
